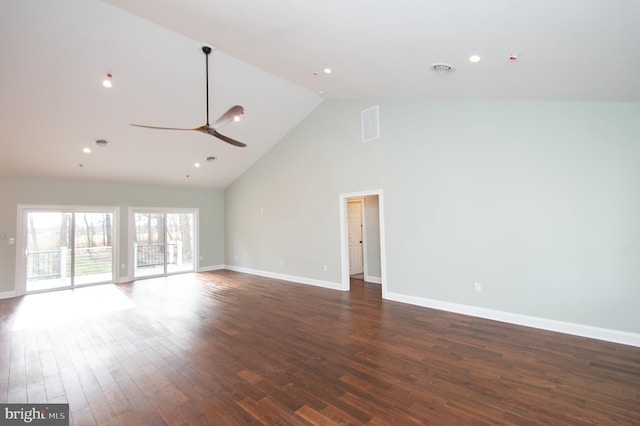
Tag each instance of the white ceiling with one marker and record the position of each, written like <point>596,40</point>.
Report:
<point>56,53</point>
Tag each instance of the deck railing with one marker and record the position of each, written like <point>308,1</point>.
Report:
<point>46,264</point>
<point>52,264</point>
<point>150,255</point>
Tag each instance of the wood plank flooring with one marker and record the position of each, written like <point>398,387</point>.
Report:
<point>224,348</point>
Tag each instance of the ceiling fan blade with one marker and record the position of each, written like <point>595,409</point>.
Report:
<point>169,128</point>
<point>227,139</point>
<point>228,117</point>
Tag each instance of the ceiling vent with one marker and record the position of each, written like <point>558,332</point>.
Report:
<point>442,68</point>
<point>371,124</point>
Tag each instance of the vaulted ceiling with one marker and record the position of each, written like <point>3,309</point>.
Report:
<point>270,57</point>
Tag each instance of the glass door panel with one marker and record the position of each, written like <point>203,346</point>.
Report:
<point>180,249</point>
<point>149,245</point>
<point>48,253</point>
<point>93,248</point>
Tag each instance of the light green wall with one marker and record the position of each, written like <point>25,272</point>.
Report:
<point>537,201</point>
<point>33,191</point>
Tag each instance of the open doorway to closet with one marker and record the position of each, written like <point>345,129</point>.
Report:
<point>362,238</point>
<point>355,235</point>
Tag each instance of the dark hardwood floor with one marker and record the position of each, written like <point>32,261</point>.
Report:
<point>228,348</point>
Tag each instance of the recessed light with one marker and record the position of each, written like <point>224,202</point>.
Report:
<point>101,142</point>
<point>327,70</point>
<point>474,58</point>
<point>211,158</point>
<point>86,150</point>
<point>197,165</point>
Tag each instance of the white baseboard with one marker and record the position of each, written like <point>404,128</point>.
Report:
<point>7,294</point>
<point>374,280</point>
<point>615,336</point>
<point>211,268</point>
<point>293,278</point>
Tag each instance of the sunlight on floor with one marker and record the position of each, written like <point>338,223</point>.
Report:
<point>53,308</point>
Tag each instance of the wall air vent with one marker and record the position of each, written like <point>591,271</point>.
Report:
<point>371,124</point>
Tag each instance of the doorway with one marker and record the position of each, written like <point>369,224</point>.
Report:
<point>163,242</point>
<point>65,248</point>
<point>362,244</point>
<point>355,207</point>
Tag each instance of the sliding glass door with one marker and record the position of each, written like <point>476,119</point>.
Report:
<point>48,252</point>
<point>180,247</point>
<point>93,248</point>
<point>163,242</point>
<point>66,249</point>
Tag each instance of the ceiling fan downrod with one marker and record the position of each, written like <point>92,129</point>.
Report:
<point>207,51</point>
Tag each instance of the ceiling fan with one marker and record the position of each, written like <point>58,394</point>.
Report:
<point>233,114</point>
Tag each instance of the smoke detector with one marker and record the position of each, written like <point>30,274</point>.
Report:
<point>442,68</point>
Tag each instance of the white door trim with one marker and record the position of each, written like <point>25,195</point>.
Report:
<point>344,238</point>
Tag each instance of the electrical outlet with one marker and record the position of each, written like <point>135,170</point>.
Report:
<point>281,262</point>
<point>324,267</point>
<point>477,287</point>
